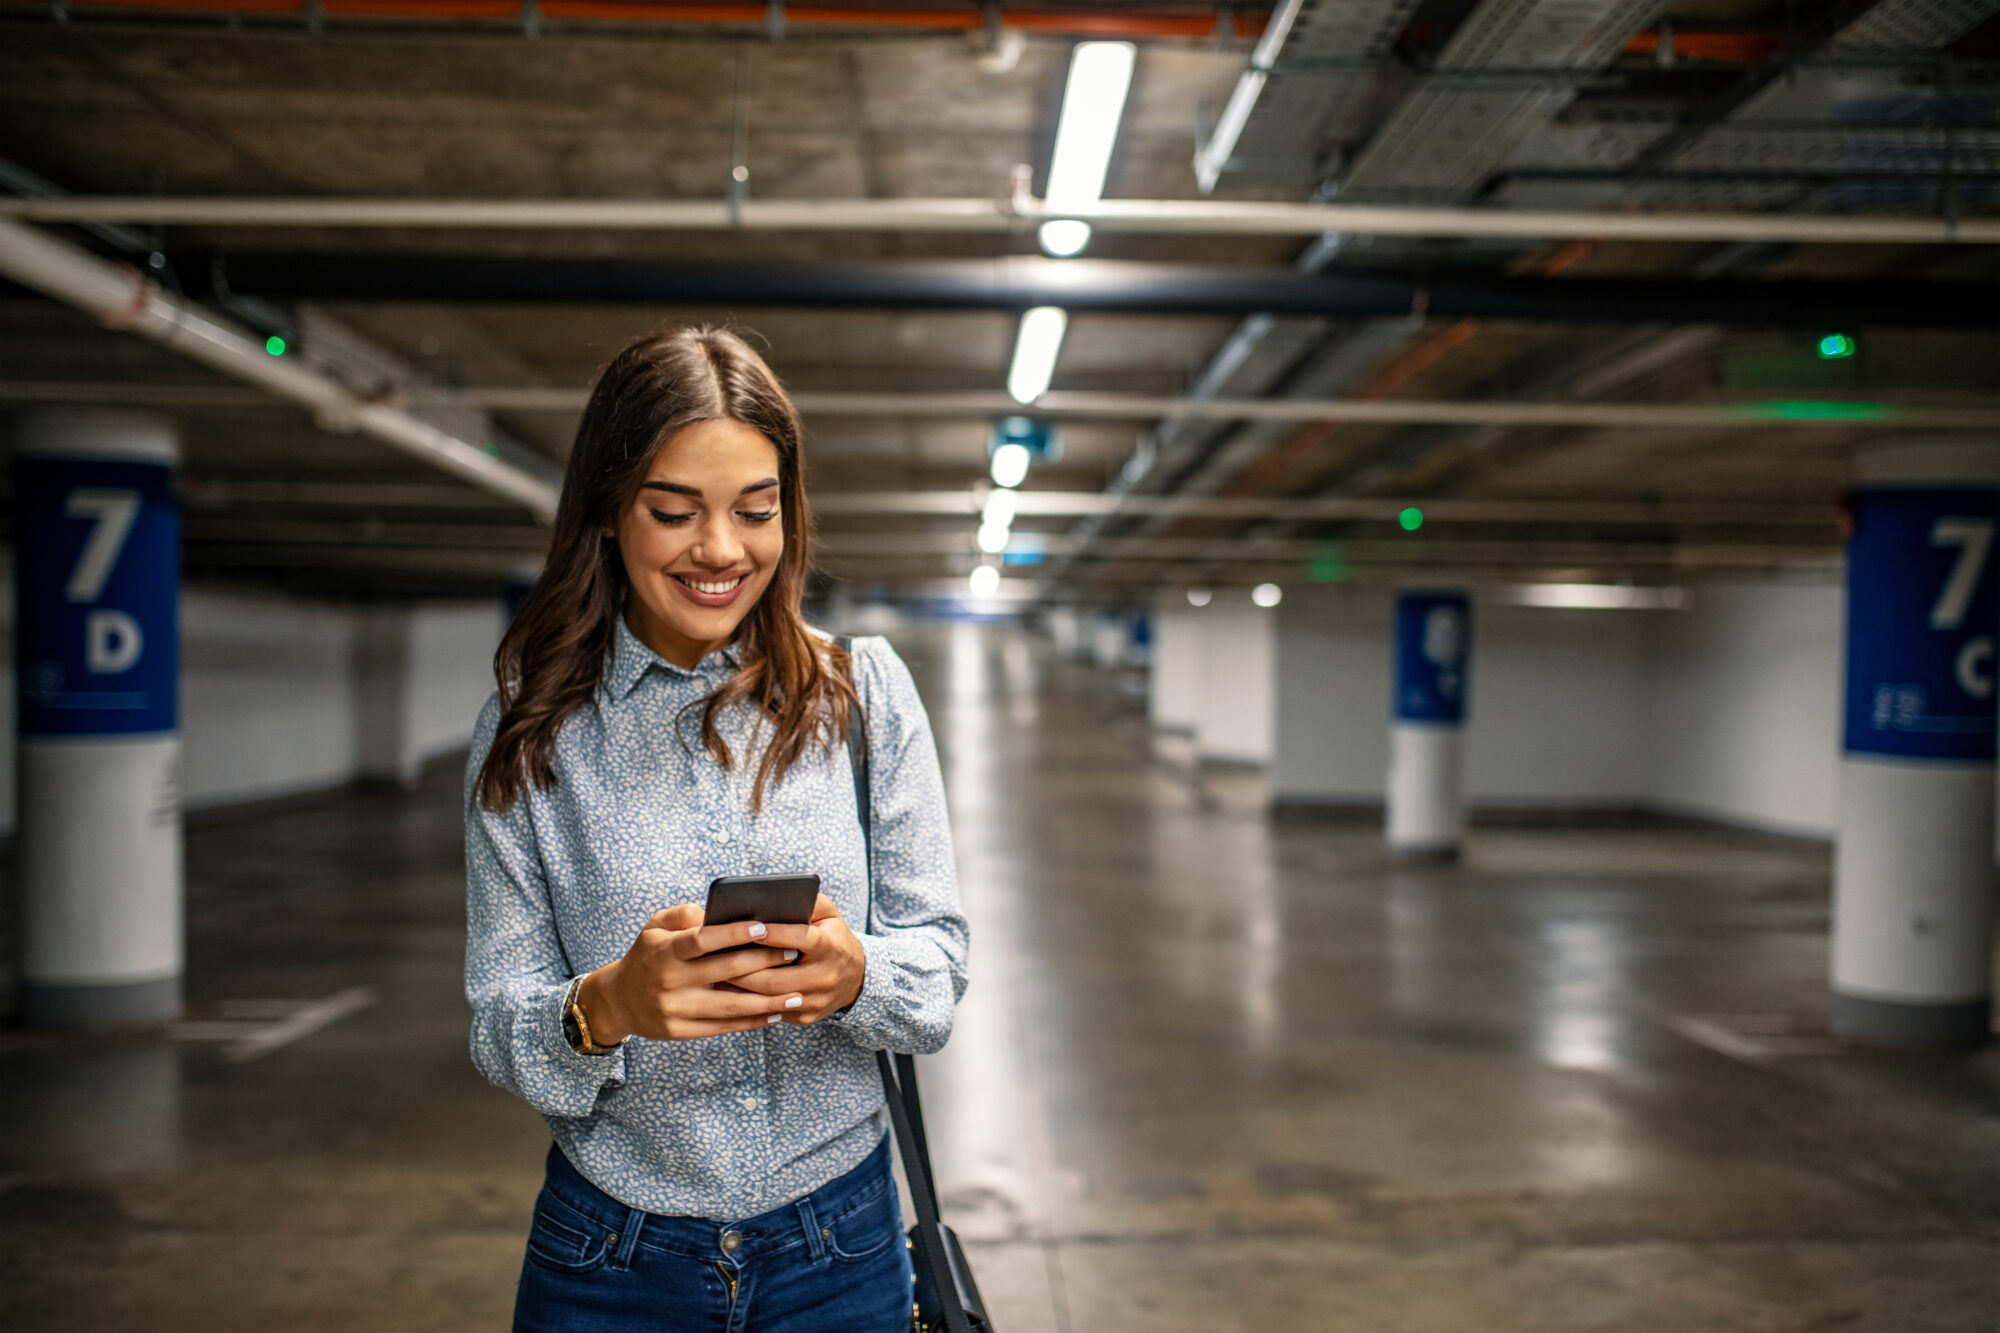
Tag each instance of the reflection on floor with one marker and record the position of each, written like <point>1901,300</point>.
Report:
<point>1215,1072</point>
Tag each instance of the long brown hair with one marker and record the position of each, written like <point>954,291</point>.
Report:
<point>552,658</point>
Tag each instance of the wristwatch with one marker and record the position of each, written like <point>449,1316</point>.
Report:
<point>576,1027</point>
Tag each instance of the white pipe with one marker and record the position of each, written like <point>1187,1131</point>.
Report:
<point>1075,504</point>
<point>1214,155</point>
<point>120,297</point>
<point>1755,415</point>
<point>1194,217</point>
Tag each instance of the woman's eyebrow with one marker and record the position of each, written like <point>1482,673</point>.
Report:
<point>676,488</point>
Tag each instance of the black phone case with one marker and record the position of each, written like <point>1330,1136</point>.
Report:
<point>777,899</point>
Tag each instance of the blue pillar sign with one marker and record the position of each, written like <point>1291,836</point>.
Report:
<point>97,543</point>
<point>1433,643</point>
<point>1922,614</point>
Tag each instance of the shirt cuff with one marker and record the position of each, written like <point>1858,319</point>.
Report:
<point>872,1009</point>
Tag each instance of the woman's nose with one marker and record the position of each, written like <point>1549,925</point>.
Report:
<point>717,544</point>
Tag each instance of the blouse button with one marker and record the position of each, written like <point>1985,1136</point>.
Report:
<point>722,838</point>
<point>749,1103</point>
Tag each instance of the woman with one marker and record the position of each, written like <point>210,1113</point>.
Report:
<point>665,717</point>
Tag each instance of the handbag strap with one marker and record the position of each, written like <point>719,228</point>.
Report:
<point>906,1111</point>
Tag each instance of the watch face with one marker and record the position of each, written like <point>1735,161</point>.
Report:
<point>571,1032</point>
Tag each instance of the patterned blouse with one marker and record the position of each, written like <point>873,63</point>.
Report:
<point>640,819</point>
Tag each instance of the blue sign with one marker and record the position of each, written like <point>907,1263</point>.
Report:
<point>97,573</point>
<point>1433,645</point>
<point>1039,438</point>
<point>1922,611</point>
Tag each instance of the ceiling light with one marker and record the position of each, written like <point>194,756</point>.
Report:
<point>1100,74</point>
<point>993,537</point>
<point>1010,464</point>
<point>1199,596</point>
<point>1035,352</point>
<point>1267,594</point>
<point>1000,508</point>
<point>1598,597</point>
<point>1063,237</point>
<point>985,580</point>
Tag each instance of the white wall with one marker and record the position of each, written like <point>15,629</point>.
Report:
<point>1743,699</point>
<point>1554,707</point>
<point>269,697</point>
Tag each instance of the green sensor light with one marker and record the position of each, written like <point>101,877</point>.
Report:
<point>1835,346</point>
<point>275,345</point>
<point>1411,519</point>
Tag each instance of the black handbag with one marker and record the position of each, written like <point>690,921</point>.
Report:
<point>947,1299</point>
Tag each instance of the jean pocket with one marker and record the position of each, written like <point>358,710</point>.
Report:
<point>565,1240</point>
<point>870,1226</point>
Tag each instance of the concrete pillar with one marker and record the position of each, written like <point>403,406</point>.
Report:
<point>1426,785</point>
<point>1914,869</point>
<point>1236,694</point>
<point>1174,681</point>
<point>97,570</point>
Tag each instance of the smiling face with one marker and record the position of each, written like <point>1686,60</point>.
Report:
<point>702,539</point>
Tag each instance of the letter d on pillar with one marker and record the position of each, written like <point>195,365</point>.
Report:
<point>1913,875</point>
<point>97,584</point>
<point>1426,797</point>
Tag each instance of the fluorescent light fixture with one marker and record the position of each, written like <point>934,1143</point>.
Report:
<point>1598,597</point>
<point>1199,596</point>
<point>1001,507</point>
<point>985,580</point>
<point>1267,594</point>
<point>993,537</point>
<point>1063,237</point>
<point>1010,464</point>
<point>1035,350</point>
<point>1100,74</point>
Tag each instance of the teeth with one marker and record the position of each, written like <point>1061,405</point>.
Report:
<point>713,589</point>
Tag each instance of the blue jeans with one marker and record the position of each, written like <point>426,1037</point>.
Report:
<point>833,1262</point>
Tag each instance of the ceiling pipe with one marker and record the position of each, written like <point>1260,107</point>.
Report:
<point>1760,415</point>
<point>121,298</point>
<point>1200,217</point>
<point>1021,282</point>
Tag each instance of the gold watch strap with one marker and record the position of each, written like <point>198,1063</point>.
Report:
<point>573,1006</point>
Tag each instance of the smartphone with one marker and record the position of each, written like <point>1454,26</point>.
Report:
<point>779,899</point>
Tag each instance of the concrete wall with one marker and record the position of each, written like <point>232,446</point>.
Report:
<point>1173,698</point>
<point>1743,703</point>
<point>1728,710</point>
<point>272,702</point>
<point>1554,713</point>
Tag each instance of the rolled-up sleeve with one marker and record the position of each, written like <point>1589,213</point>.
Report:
<point>916,939</point>
<point>516,973</point>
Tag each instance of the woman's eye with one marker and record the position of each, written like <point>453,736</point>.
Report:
<point>758,516</point>
<point>671,520</point>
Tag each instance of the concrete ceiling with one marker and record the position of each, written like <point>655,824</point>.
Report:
<point>127,102</point>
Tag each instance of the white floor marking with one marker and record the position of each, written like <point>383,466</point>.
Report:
<point>1752,1038</point>
<point>255,1028</point>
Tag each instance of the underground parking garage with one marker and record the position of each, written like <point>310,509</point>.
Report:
<point>1365,627</point>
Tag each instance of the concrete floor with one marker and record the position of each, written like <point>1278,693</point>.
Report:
<point>1215,1072</point>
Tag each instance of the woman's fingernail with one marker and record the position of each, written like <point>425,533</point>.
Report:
<point>795,1001</point>
<point>774,1020</point>
<point>790,954</point>
<point>758,930</point>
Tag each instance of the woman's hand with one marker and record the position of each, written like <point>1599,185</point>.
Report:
<point>830,970</point>
<point>664,988</point>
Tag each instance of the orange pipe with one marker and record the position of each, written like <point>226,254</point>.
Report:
<point>1726,48</point>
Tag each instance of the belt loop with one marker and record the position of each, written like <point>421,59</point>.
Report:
<point>628,1238</point>
<point>815,1243</point>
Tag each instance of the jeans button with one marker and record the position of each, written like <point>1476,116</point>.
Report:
<point>732,1241</point>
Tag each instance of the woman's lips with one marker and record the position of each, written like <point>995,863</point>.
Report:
<point>710,591</point>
